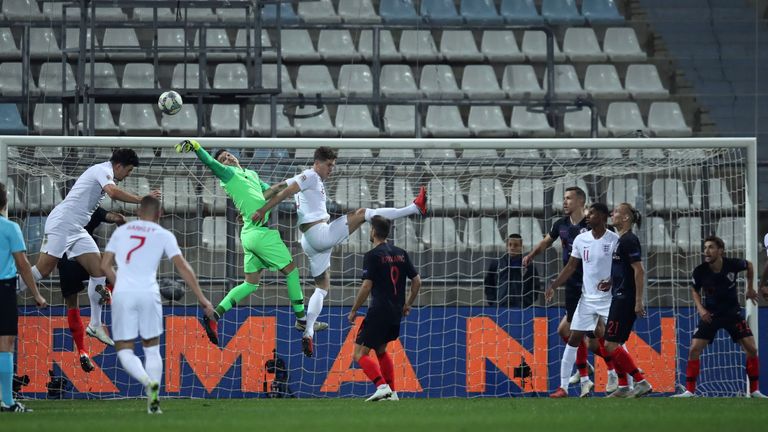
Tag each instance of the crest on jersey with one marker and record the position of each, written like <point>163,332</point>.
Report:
<point>606,248</point>
<point>109,177</point>
<point>303,177</point>
<point>583,230</point>
<point>731,277</point>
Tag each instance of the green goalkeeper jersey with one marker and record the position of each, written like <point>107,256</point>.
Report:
<point>242,185</point>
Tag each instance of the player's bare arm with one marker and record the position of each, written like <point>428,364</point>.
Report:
<point>415,287</point>
<point>117,194</point>
<point>568,270</point>
<point>705,315</point>
<point>275,189</point>
<point>108,266</point>
<point>286,193</point>
<point>362,296</point>
<point>639,287</point>
<point>751,293</point>
<point>25,270</point>
<point>545,243</point>
<point>115,218</point>
<point>185,270</point>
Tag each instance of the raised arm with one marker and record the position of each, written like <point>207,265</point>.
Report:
<point>287,192</point>
<point>223,172</point>
<point>185,270</point>
<point>541,247</point>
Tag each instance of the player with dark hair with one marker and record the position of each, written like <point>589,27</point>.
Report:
<point>593,251</point>
<point>318,235</point>
<point>716,278</point>
<point>385,269</point>
<point>627,280</point>
<point>65,232</point>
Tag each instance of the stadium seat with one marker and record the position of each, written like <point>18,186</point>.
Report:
<point>601,12</point>
<point>440,235</point>
<point>562,153</point>
<point>486,194</point>
<point>621,45</point>
<point>401,194</point>
<point>657,236</point>
<point>43,194</point>
<point>578,124</point>
<point>732,231</point>
<point>718,195</point>
<point>269,79</point>
<point>400,120</point>
<point>318,12</point>
<point>172,42</point>
<point>217,44</point>
<point>183,123</point>
<point>353,193</point>
<point>559,190</point>
<point>520,81</point>
<point>613,153</point>
<point>15,204</point>
<point>478,12</point>
<point>104,76</point>
<point>520,12</point>
<point>124,39</point>
<point>445,194</point>
<point>147,14</point>
<point>11,80</point>
<point>398,81</point>
<point>479,154</point>
<point>355,153</point>
<point>398,12</point>
<point>522,154</point>
<point>215,233</point>
<point>104,123</point>
<point>527,195</point>
<point>480,82</point>
<point>666,119</point>
<point>688,234</point>
<point>10,120</point>
<point>405,236</point>
<point>187,76</point>
<point>355,121</point>
<point>355,80</point>
<point>358,11</point>
<point>312,79</point>
<point>445,121</point>
<point>623,118</point>
<point>337,46</point>
<point>482,234</point>
<point>319,125</point>
<point>48,119</point>
<point>438,82</point>
<point>297,46</point>
<point>387,50</point>
<point>8,48</point>
<point>359,241</point>
<point>500,46</point>
<point>487,121</point>
<point>561,12</point>
<point>225,120</point>
<point>138,119</point>
<point>435,153</point>
<point>51,80</point>
<point>643,82</point>
<point>139,76</point>
<point>622,190</point>
<point>534,47</point>
<point>133,184</point>
<point>72,42</point>
<point>396,153</point>
<point>42,43</point>
<point>53,11</point>
<point>21,10</point>
<point>287,14</point>
<point>260,123</point>
<point>580,45</point>
<point>668,194</point>
<point>459,46</point>
<point>230,76</point>
<point>418,45</point>
<point>440,12</point>
<point>33,230</point>
<point>529,229</point>
<point>241,43</point>
<point>567,83</point>
<point>602,82</point>
<point>214,196</point>
<point>525,123</point>
<point>231,14</point>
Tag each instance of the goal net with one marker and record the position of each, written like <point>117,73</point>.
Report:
<point>460,340</point>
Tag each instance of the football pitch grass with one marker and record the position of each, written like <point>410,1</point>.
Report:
<point>339,415</point>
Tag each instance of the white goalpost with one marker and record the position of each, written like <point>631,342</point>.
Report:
<point>457,343</point>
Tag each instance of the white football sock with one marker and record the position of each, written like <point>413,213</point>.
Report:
<point>314,307</point>
<point>153,363</point>
<point>391,213</point>
<point>566,365</point>
<point>133,366</point>
<point>94,298</point>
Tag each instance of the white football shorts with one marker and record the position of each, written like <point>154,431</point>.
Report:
<point>318,243</point>
<point>136,313</point>
<point>588,312</point>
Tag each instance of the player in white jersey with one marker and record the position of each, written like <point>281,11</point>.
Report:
<point>137,248</point>
<point>318,235</point>
<point>593,251</point>
<point>65,232</point>
<point>764,276</point>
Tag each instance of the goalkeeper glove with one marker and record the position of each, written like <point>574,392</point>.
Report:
<point>187,146</point>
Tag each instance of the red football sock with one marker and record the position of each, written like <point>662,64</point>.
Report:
<point>608,358</point>
<point>77,329</point>
<point>581,359</point>
<point>691,373</point>
<point>371,369</point>
<point>753,373</point>
<point>623,381</point>
<point>626,364</point>
<point>387,367</point>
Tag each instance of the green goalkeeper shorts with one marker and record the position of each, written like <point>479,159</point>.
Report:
<point>264,249</point>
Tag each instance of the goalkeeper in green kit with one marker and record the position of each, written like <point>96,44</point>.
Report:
<point>263,247</point>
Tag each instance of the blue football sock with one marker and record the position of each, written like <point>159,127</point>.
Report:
<point>6,377</point>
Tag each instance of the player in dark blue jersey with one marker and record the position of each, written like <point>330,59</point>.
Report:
<point>716,279</point>
<point>385,269</point>
<point>627,281</point>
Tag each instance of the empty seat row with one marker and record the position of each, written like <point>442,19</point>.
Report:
<point>579,44</point>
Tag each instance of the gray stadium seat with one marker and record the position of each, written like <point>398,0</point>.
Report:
<point>182,123</point>
<point>318,12</point>
<point>480,82</point>
<point>387,50</point>
<point>445,194</point>
<point>459,46</point>
<point>358,11</point>
<point>401,195</point>
<point>353,193</point>
<point>440,235</point>
<point>482,234</point>
<point>534,47</point>
<point>355,153</point>
<point>405,235</point>
<point>438,82</point>
<point>104,123</point>
<point>527,195</point>
<point>486,194</point>
<point>33,230</point>
<point>197,14</point>
<point>501,46</point>
<point>577,124</point>
<point>666,119</point>
<point>522,154</point>
<point>622,190</point>
<point>231,14</point>
<point>174,40</point>
<point>732,231</point>
<point>444,153</point>
<point>260,123</point>
<point>267,53</point>
<point>668,194</point>
<point>138,119</point>
<point>147,14</point>
<point>562,153</point>
<point>217,43</point>
<point>43,194</point>
<point>313,79</point>
<point>122,38</point>
<point>21,10</point>
<point>397,153</point>
<point>319,125</point>
<point>337,45</point>
<point>657,236</point>
<point>487,121</point>
<point>225,120</point>
<point>355,121</point>
<point>104,76</point>
<point>8,48</point>
<point>51,80</point>
<point>520,81</point>
<point>139,76</point>
<point>567,83</point>
<point>602,82</point>
<point>297,46</point>
<point>643,82</point>
<point>269,79</point>
<point>15,204</point>
<point>215,233</point>
<point>398,81</point>
<point>359,241</point>
<point>419,45</point>
<point>580,45</point>
<point>624,118</point>
<point>230,76</point>
<point>529,229</point>
<point>11,80</point>
<point>688,234</point>
<point>47,118</point>
<point>355,80</point>
<point>400,120</point>
<point>214,197</point>
<point>718,195</point>
<point>534,124</point>
<point>621,45</point>
<point>187,76</point>
<point>445,121</point>
<point>43,43</point>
